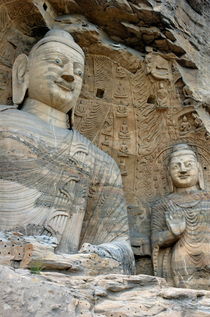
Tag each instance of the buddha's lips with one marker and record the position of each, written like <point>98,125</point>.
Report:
<point>64,85</point>
<point>184,176</point>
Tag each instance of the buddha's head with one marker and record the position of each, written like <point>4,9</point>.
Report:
<point>52,73</point>
<point>184,169</point>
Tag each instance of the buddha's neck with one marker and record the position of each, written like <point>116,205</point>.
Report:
<point>46,113</point>
<point>187,190</point>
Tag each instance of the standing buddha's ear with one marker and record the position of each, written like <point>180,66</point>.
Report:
<point>20,79</point>
<point>200,177</point>
<point>72,117</point>
<point>170,182</point>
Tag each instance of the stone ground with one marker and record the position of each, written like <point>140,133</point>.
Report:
<point>23,294</point>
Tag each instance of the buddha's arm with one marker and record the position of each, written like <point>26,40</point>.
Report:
<point>161,235</point>
<point>117,250</point>
<point>108,226</point>
<point>163,238</point>
<point>117,243</point>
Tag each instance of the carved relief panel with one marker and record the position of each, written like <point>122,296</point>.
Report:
<point>136,118</point>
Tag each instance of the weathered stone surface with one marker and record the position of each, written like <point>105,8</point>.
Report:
<point>23,294</point>
<point>20,251</point>
<point>124,43</point>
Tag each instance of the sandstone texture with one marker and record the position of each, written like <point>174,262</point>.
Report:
<point>55,294</point>
<point>146,85</point>
<point>145,89</point>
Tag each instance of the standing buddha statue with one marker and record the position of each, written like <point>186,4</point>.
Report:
<point>181,224</point>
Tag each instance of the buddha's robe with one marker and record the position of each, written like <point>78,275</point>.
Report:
<point>55,182</point>
<point>183,260</point>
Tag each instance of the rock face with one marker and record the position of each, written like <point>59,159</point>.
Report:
<point>56,294</point>
<point>146,88</point>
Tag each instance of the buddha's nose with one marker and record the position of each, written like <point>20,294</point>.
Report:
<point>68,78</point>
<point>183,169</point>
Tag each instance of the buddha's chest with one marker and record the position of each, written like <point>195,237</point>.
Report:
<point>39,176</point>
<point>194,210</point>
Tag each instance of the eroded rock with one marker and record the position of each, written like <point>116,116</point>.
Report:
<point>55,294</point>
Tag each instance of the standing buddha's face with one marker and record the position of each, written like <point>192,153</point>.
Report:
<point>184,171</point>
<point>55,75</point>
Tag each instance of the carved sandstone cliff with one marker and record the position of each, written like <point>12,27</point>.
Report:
<point>146,87</point>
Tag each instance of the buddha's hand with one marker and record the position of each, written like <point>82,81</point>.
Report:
<point>90,248</point>
<point>176,222</point>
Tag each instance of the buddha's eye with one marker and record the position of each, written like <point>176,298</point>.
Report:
<point>188,164</point>
<point>175,167</point>
<point>78,72</point>
<point>58,61</point>
<point>78,69</point>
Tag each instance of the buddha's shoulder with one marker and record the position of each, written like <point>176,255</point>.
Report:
<point>8,112</point>
<point>28,125</point>
<point>7,107</point>
<point>100,156</point>
<point>11,113</point>
<point>172,199</point>
<point>160,203</point>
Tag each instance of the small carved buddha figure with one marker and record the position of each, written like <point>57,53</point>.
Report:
<point>123,149</point>
<point>122,111</point>
<point>181,224</point>
<point>197,121</point>
<point>124,132</point>
<point>53,181</point>
<point>188,96</point>
<point>185,125</point>
<point>162,97</point>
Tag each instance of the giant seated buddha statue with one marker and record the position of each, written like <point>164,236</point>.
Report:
<point>53,181</point>
<point>181,224</point>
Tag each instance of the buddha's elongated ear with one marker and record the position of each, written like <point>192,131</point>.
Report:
<point>200,177</point>
<point>72,117</point>
<point>170,183</point>
<point>20,79</point>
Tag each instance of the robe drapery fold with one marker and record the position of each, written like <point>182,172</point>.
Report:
<point>183,260</point>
